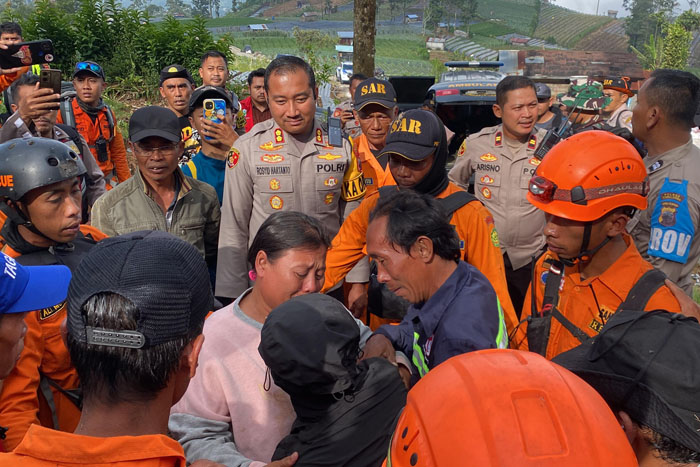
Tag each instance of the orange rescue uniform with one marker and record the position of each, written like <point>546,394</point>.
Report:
<point>374,174</point>
<point>7,80</point>
<point>115,168</point>
<point>43,447</point>
<point>589,303</point>
<point>478,241</point>
<point>44,353</point>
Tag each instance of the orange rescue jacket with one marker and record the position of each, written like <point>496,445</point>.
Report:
<point>589,303</point>
<point>91,131</point>
<point>479,244</point>
<point>375,175</point>
<point>22,400</point>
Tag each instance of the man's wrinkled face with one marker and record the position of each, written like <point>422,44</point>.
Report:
<point>156,157</point>
<point>292,101</point>
<point>375,121</point>
<point>177,92</point>
<point>214,72</point>
<point>403,273</point>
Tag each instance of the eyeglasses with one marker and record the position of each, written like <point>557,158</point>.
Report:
<point>88,66</point>
<point>167,149</point>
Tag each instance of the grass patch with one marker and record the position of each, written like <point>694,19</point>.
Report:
<point>515,15</point>
<point>491,28</point>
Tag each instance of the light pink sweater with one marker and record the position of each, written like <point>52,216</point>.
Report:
<point>228,387</point>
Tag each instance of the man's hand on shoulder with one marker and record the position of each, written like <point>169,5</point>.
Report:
<point>288,461</point>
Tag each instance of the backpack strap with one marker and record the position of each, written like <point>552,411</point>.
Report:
<point>67,114</point>
<point>642,291</point>
<point>455,201</point>
<point>110,121</point>
<point>387,190</point>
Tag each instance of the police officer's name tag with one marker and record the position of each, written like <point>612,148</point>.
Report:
<point>672,228</point>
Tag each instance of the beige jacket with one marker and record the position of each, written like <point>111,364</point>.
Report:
<point>679,164</point>
<point>266,173</point>
<point>621,118</point>
<point>501,182</point>
<point>128,207</point>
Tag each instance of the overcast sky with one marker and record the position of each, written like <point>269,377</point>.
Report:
<point>589,6</point>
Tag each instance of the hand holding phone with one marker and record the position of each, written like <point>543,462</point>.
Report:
<point>50,79</point>
<point>38,103</point>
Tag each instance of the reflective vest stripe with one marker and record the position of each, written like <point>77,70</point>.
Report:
<point>502,337</point>
<point>418,358</point>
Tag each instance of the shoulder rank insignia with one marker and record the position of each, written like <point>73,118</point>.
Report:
<point>319,136</point>
<point>498,142</point>
<point>532,142</point>
<point>279,135</point>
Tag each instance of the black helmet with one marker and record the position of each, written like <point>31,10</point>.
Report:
<point>29,163</point>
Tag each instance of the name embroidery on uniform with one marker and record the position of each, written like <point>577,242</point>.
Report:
<point>272,170</point>
<point>488,167</point>
<point>50,311</point>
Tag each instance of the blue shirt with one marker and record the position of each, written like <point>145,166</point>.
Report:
<point>208,170</point>
<point>461,316</point>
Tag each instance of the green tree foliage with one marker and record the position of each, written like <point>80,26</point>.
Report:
<point>124,41</point>
<point>201,8</point>
<point>676,47</point>
<point>308,42</point>
<point>646,17</point>
<point>467,12</point>
<point>689,20</point>
<point>433,14</point>
<point>651,54</point>
<point>174,7</point>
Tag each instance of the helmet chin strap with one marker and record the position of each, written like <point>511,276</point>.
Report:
<point>585,255</point>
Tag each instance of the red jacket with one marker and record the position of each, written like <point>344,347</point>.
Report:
<point>247,107</point>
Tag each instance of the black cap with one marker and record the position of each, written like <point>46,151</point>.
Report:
<point>328,366</point>
<point>618,83</point>
<point>542,91</point>
<point>165,277</point>
<point>210,92</point>
<point>415,135</point>
<point>374,91</point>
<point>646,363</point>
<point>90,68</point>
<point>175,71</point>
<point>154,121</point>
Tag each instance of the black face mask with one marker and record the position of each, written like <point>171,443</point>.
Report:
<point>435,181</point>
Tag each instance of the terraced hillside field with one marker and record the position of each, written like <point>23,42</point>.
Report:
<point>518,15</point>
<point>609,38</point>
<point>567,27</point>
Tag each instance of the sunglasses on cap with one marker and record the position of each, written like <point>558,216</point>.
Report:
<point>88,66</point>
<point>546,190</point>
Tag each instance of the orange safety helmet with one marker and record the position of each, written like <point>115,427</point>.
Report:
<point>587,175</point>
<point>503,407</point>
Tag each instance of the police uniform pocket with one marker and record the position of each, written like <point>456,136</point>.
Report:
<point>487,181</point>
<point>328,189</point>
<point>275,187</point>
<point>527,171</point>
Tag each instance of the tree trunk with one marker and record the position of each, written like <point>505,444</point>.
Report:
<point>363,41</point>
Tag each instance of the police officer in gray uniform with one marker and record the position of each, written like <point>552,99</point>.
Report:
<point>502,159</point>
<point>666,232</point>
<point>285,163</point>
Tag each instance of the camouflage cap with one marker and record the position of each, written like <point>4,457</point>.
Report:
<point>585,94</point>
